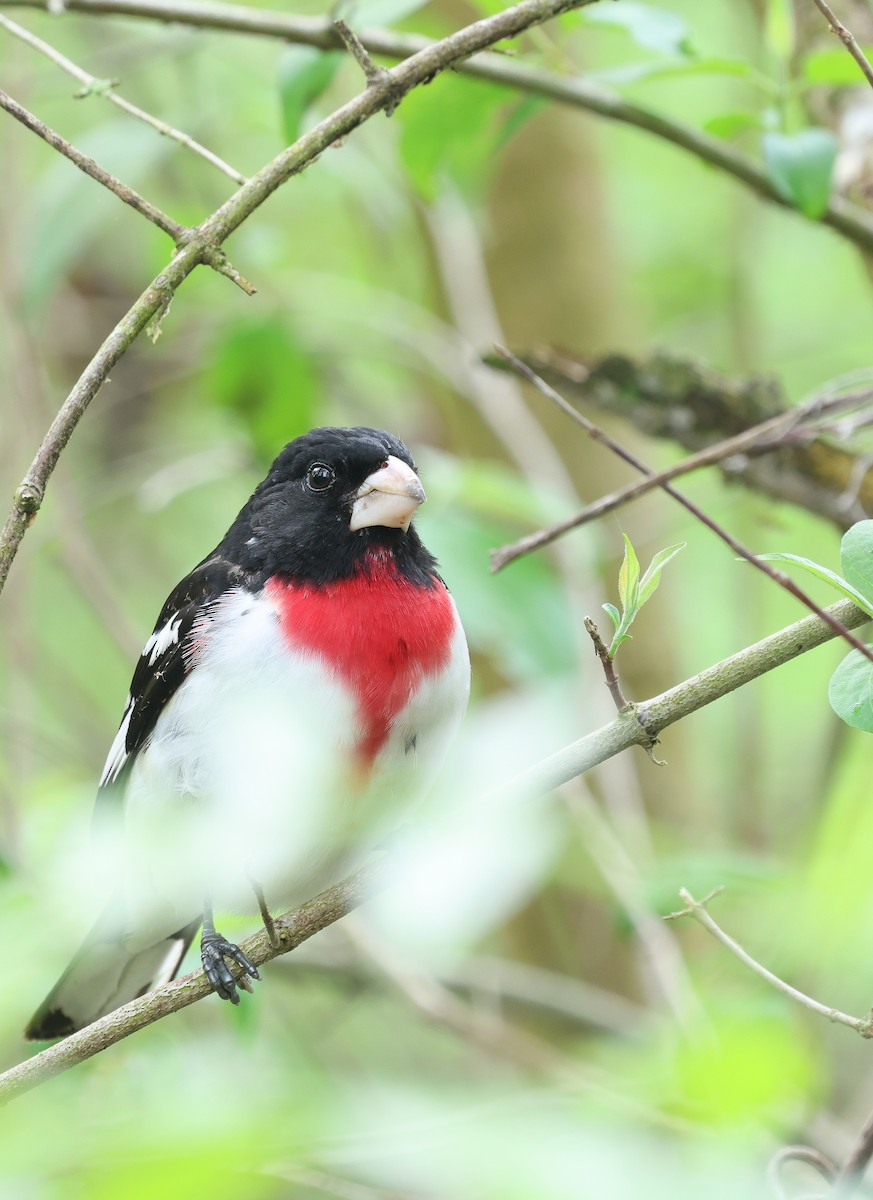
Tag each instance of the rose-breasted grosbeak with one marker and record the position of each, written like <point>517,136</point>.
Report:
<point>298,684</point>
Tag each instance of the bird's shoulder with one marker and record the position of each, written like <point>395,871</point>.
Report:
<point>167,658</point>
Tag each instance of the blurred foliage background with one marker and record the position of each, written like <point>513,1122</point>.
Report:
<point>521,1024</point>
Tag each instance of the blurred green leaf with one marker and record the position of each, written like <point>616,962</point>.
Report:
<point>800,166</point>
<point>654,28</point>
<point>304,74</point>
<point>850,691</point>
<point>265,376</point>
<point>856,560</point>
<point>779,28</point>
<point>833,67</point>
<point>729,125</point>
<point>449,128</point>
<point>669,68</point>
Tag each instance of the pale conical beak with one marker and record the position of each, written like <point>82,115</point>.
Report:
<point>388,497</point>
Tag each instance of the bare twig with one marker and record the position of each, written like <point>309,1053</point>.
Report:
<point>599,435</point>
<point>90,167</point>
<point>850,1177</point>
<point>849,220</point>
<point>292,928</point>
<point>847,39</point>
<point>608,664</point>
<point>803,1154</point>
<point>106,88</point>
<point>372,73</point>
<point>641,723</point>
<point>759,439</point>
<point>199,244</point>
<point>697,910</point>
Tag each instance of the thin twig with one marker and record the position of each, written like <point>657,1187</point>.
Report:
<point>292,928</point>
<point>804,1154</point>
<point>762,438</point>
<point>144,207</point>
<point>697,910</point>
<point>642,722</point>
<point>106,89</point>
<point>608,664</point>
<point>372,73</point>
<point>850,1177</point>
<point>847,39</point>
<point>200,243</point>
<point>599,435</point>
<point>848,219</point>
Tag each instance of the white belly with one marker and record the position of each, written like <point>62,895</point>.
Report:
<point>266,786</point>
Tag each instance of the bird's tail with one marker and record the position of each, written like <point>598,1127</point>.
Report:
<point>104,975</point>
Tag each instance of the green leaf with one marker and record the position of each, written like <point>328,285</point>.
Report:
<point>654,28</point>
<point>613,613</point>
<point>834,67</point>
<point>821,572</point>
<point>800,166</point>
<point>628,578</point>
<point>850,691</point>
<point>304,74</point>
<point>779,29</point>
<point>728,125</point>
<point>856,560</point>
<point>652,577</point>
<point>449,129</point>
<point>682,66</point>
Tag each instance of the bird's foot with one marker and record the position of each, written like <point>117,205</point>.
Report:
<point>215,950</point>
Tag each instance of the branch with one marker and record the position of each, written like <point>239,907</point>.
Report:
<point>105,88</point>
<point>640,724</point>
<point>293,928</point>
<point>848,40</point>
<point>203,244</point>
<point>849,220</point>
<point>144,207</point>
<point>676,399</point>
<point>697,910</point>
<point>599,435</point>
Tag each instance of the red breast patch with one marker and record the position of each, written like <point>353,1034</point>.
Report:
<point>380,632</point>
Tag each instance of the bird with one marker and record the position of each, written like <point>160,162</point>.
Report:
<point>298,693</point>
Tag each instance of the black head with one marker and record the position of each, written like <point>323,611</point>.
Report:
<point>314,516</point>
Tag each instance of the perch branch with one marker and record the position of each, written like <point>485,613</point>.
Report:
<point>849,220</point>
<point>204,243</point>
<point>637,725</point>
<point>292,929</point>
<point>106,88</point>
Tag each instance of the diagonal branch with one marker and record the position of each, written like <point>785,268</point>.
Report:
<point>101,87</point>
<point>293,929</point>
<point>600,435</point>
<point>849,220</point>
<point>638,724</point>
<point>203,244</point>
<point>144,207</point>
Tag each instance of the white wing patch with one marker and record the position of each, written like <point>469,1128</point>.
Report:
<point>161,640</point>
<point>117,756</point>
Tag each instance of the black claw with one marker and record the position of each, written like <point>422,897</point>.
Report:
<point>214,951</point>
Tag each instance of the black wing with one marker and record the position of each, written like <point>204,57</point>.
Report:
<point>163,664</point>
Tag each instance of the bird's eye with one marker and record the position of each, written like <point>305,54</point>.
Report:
<point>319,477</point>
